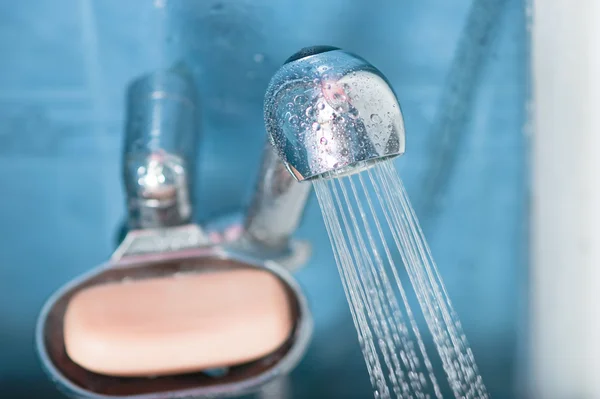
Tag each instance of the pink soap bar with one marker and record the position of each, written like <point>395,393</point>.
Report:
<point>177,324</point>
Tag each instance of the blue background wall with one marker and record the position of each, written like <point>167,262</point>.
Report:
<point>62,75</point>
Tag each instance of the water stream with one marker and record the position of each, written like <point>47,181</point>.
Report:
<point>373,230</point>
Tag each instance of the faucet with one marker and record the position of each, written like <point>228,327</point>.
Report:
<point>329,113</point>
<point>163,242</point>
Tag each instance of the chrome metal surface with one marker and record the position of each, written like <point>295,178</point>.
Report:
<point>229,229</point>
<point>160,240</point>
<point>160,149</point>
<point>329,112</point>
<point>276,209</point>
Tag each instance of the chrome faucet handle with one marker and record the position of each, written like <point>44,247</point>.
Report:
<point>160,149</point>
<point>159,154</point>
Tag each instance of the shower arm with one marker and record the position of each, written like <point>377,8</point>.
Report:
<point>275,213</point>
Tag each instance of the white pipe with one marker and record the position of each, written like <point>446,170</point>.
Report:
<point>565,275</point>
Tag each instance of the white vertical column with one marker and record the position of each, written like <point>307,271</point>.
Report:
<point>592,191</point>
<point>565,274</point>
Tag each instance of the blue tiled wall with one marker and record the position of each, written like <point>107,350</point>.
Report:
<point>64,67</point>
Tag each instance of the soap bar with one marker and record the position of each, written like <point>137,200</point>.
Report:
<point>177,324</point>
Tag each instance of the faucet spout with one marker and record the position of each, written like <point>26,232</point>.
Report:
<point>330,113</point>
<point>277,206</point>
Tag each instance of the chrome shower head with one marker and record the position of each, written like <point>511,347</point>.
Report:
<point>330,113</point>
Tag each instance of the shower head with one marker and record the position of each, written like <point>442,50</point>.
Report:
<point>330,113</point>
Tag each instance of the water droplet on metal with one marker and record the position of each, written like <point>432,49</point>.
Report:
<point>375,118</point>
<point>323,140</point>
<point>300,99</point>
